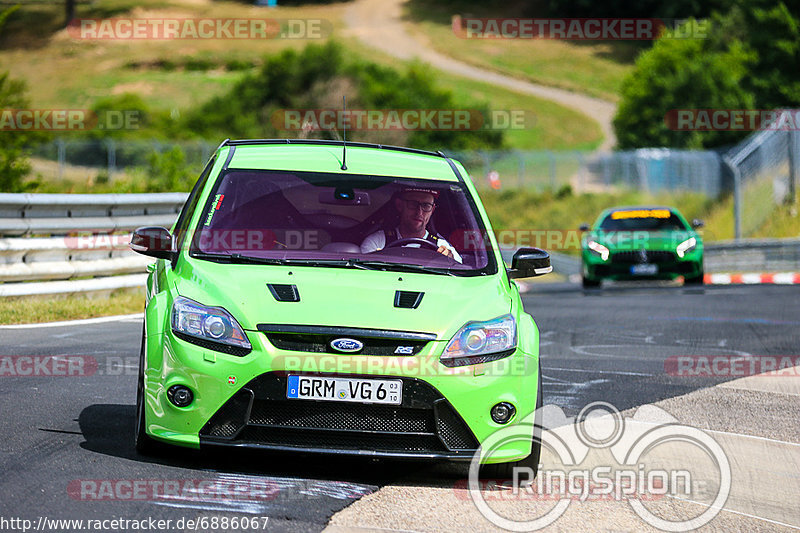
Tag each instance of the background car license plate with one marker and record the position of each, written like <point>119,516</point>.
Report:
<point>345,389</point>
<point>644,269</point>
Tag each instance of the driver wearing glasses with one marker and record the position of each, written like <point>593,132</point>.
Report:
<point>415,206</point>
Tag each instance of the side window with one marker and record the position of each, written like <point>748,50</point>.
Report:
<point>182,225</point>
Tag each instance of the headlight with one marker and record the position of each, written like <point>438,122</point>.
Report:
<point>599,249</point>
<point>479,342</point>
<point>686,246</point>
<point>211,327</point>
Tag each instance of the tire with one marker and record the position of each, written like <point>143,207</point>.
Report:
<point>590,283</point>
<point>145,445</point>
<point>506,470</point>
<point>697,280</point>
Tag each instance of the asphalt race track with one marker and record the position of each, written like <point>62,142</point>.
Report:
<point>66,439</point>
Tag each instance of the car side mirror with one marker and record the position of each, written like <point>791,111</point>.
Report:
<point>153,241</point>
<point>584,227</point>
<point>529,262</point>
<point>697,223</point>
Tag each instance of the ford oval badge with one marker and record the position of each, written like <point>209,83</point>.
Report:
<point>346,345</point>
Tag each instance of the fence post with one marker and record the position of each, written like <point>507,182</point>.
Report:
<point>62,156</point>
<point>737,198</point>
<point>794,164</point>
<point>112,156</point>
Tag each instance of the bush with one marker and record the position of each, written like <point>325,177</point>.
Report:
<point>680,74</point>
<point>14,165</point>
<point>169,172</point>
<point>317,78</point>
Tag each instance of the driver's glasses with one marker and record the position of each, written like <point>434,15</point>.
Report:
<point>413,205</point>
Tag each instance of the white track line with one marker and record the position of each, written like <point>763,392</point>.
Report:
<point>596,371</point>
<point>66,323</point>
<point>736,512</point>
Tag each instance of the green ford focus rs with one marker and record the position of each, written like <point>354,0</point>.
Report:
<point>314,297</point>
<point>641,242</point>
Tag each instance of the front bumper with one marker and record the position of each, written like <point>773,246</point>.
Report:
<point>619,265</point>
<point>241,401</point>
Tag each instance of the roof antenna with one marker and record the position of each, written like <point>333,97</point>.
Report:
<point>344,133</point>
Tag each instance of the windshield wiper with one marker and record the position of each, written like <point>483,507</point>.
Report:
<point>401,267</point>
<point>345,263</point>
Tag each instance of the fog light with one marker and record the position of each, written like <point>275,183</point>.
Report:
<point>503,412</point>
<point>180,396</point>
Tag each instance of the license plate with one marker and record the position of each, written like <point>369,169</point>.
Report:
<point>388,391</point>
<point>645,269</point>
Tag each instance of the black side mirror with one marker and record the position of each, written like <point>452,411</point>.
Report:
<point>584,227</point>
<point>153,241</point>
<point>529,262</point>
<point>697,223</point>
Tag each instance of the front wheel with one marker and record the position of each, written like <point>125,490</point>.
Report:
<point>590,283</point>
<point>145,444</point>
<point>696,280</point>
<point>506,470</point>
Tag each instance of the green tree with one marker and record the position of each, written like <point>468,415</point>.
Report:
<point>680,74</point>
<point>14,165</point>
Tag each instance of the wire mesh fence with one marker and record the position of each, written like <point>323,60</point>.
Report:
<point>761,171</point>
<point>766,170</point>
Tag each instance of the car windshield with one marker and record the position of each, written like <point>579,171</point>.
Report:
<point>341,220</point>
<point>642,220</point>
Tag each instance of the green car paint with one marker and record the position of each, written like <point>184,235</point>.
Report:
<point>641,242</point>
<point>339,296</point>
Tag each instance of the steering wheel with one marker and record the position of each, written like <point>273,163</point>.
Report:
<point>412,240</point>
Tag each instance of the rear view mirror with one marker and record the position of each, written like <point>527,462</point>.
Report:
<point>584,227</point>
<point>529,262</point>
<point>697,223</point>
<point>153,241</point>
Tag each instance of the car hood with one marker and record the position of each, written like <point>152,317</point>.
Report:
<point>636,240</point>
<point>344,297</point>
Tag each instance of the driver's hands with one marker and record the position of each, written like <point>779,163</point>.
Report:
<point>445,251</point>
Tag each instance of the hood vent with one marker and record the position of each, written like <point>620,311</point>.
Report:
<point>408,299</point>
<point>283,292</point>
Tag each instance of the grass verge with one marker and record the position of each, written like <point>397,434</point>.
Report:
<point>592,67</point>
<point>39,309</point>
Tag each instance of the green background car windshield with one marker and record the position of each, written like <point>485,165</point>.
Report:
<point>673,223</point>
<point>320,216</point>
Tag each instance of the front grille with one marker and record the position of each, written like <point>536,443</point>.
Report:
<point>321,344</point>
<point>649,256</point>
<point>260,414</point>
<point>317,339</point>
<point>332,415</point>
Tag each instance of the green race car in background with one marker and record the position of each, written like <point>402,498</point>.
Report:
<point>289,309</point>
<point>641,242</point>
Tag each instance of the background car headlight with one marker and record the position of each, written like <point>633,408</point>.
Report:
<point>478,342</point>
<point>686,246</point>
<point>196,322</point>
<point>599,249</point>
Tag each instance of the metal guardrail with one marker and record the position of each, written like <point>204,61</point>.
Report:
<point>753,255</point>
<point>66,236</point>
<point>48,240</point>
